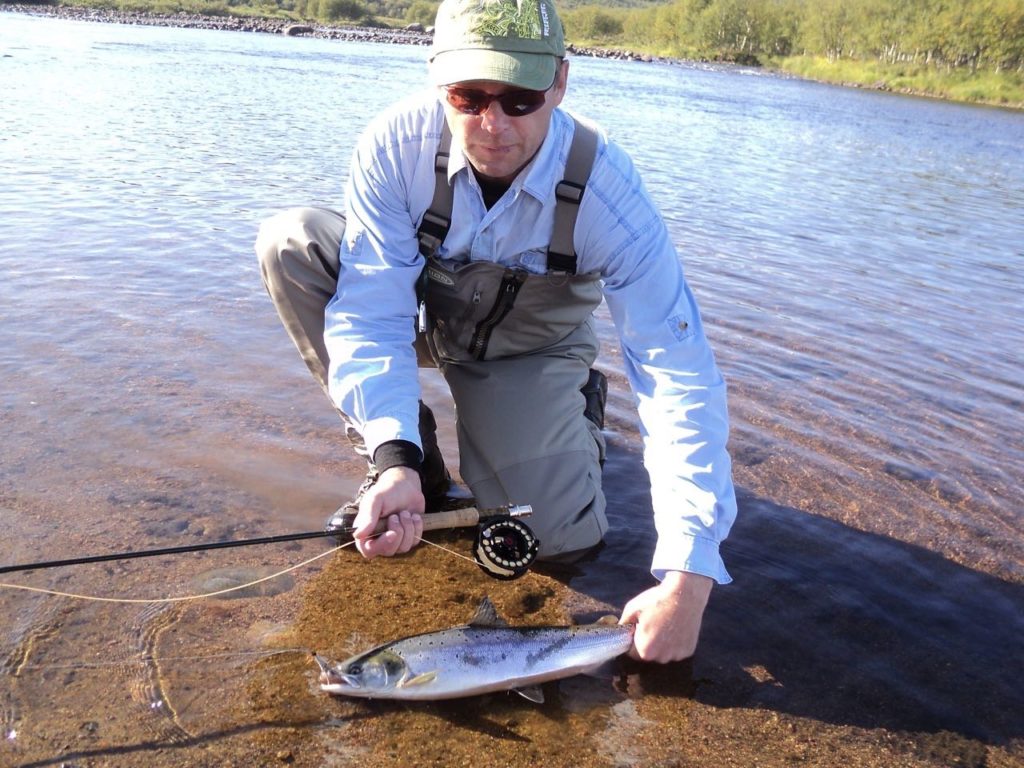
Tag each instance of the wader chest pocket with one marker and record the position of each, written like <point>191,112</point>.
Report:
<point>465,303</point>
<point>484,311</point>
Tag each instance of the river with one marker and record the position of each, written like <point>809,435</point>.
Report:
<point>859,261</point>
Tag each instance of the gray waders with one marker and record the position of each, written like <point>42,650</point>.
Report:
<point>515,348</point>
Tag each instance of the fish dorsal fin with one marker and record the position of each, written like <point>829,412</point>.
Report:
<point>487,615</point>
<point>531,693</point>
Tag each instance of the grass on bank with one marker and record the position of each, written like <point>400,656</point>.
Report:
<point>982,87</point>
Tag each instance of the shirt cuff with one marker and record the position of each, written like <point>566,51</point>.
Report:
<point>692,554</point>
<point>397,453</point>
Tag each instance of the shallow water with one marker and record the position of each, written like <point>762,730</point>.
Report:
<point>858,258</point>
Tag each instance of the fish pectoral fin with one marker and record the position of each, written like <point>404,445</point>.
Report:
<point>531,693</point>
<point>420,679</point>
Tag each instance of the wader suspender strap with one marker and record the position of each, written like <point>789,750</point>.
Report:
<point>568,195</point>
<point>438,218</point>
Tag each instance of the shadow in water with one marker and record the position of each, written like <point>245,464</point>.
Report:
<point>827,622</point>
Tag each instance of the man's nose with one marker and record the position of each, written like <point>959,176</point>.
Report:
<point>493,118</point>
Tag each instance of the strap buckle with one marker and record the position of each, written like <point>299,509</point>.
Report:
<point>569,192</point>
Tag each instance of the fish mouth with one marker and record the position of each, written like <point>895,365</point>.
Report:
<point>338,683</point>
<point>333,681</point>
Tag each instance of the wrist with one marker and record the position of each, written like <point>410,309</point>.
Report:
<point>397,453</point>
<point>680,581</point>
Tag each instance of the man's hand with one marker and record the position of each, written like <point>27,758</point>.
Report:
<point>396,495</point>
<point>667,617</point>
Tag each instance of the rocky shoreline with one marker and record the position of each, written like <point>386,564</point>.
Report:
<point>414,34</point>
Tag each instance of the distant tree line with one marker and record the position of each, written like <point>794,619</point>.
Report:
<point>974,34</point>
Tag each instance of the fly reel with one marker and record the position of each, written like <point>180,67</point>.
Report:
<point>505,547</point>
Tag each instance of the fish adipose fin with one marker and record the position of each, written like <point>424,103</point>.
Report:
<point>487,615</point>
<point>531,693</point>
<point>422,679</point>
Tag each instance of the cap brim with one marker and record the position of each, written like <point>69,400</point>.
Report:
<point>530,71</point>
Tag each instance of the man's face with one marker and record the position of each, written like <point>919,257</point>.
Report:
<point>499,146</point>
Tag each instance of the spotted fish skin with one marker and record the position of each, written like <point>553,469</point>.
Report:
<point>481,657</point>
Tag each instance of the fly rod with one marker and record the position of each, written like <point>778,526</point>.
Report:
<point>499,531</point>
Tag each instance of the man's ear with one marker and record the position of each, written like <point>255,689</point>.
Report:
<point>561,80</point>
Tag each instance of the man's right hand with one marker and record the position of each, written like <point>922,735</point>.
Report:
<point>397,496</point>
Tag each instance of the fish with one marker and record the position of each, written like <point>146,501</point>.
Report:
<point>484,656</point>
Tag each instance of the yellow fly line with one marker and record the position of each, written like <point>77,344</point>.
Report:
<point>185,598</point>
<point>181,599</point>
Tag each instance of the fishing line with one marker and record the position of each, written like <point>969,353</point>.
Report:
<point>181,599</point>
<point>152,658</point>
<point>449,551</point>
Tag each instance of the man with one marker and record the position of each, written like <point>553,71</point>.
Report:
<point>508,319</point>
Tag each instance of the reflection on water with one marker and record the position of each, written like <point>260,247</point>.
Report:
<point>858,260</point>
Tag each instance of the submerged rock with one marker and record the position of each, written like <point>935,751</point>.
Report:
<point>228,578</point>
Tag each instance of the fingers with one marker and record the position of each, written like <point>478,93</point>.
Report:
<point>397,499</point>
<point>404,530</point>
<point>631,615</point>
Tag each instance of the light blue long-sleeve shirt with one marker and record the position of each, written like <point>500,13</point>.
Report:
<point>369,328</point>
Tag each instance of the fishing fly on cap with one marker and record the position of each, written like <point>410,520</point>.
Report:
<point>505,41</point>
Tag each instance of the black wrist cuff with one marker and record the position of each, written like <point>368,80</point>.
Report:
<point>397,453</point>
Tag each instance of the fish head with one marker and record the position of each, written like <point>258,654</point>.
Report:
<point>373,674</point>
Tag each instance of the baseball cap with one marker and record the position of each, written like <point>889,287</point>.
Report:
<point>510,41</point>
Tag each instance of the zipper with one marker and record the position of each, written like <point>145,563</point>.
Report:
<point>511,282</point>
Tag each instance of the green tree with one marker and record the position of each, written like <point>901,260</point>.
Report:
<point>421,12</point>
<point>335,10</point>
<point>593,23</point>
<point>827,28</point>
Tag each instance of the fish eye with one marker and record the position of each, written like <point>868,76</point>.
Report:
<point>355,669</point>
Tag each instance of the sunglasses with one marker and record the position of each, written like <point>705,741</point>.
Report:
<point>469,101</point>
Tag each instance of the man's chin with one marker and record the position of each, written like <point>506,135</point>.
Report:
<point>495,167</point>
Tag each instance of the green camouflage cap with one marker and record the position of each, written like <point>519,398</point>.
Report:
<point>509,41</point>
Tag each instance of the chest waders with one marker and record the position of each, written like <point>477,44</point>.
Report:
<point>516,349</point>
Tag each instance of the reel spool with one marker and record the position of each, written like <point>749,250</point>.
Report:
<point>505,547</point>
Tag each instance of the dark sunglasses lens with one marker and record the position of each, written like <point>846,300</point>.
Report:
<point>468,102</point>
<point>520,103</point>
<point>513,104</point>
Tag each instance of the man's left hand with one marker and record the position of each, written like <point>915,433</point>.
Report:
<point>668,617</point>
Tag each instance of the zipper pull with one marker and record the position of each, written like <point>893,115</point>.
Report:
<point>421,317</point>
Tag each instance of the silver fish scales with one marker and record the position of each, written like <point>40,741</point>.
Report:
<point>483,656</point>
